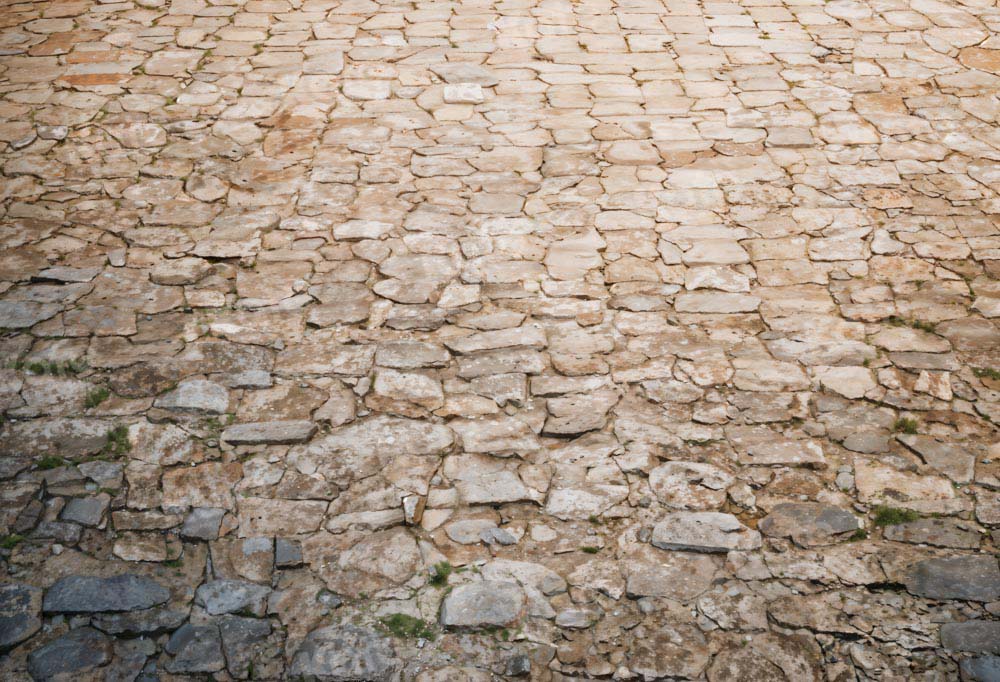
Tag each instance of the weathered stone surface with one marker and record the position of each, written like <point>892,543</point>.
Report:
<point>345,652</point>
<point>89,594</point>
<point>277,432</point>
<point>639,307</point>
<point>934,532</point>
<point>703,532</point>
<point>690,485</point>
<point>20,614</point>
<point>976,578</point>
<point>195,649</point>
<point>196,396</point>
<point>809,524</point>
<point>78,652</point>
<point>483,604</point>
<point>975,636</point>
<point>232,596</point>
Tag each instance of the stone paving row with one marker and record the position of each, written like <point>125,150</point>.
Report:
<point>468,341</point>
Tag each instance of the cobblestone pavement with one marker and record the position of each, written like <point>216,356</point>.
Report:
<point>468,341</point>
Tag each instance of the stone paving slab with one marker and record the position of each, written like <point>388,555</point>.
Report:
<point>468,341</point>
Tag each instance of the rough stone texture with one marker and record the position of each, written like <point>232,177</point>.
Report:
<point>77,652</point>
<point>976,636</point>
<point>86,594</point>
<point>681,319</point>
<point>485,604</point>
<point>345,652</point>
<point>20,614</point>
<point>809,524</point>
<point>704,532</point>
<point>976,578</point>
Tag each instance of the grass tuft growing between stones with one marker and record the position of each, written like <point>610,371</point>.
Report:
<point>50,462</point>
<point>118,443</point>
<point>405,626</point>
<point>987,373</point>
<point>905,425</point>
<point>11,541</point>
<point>439,573</point>
<point>96,397</point>
<point>893,516</point>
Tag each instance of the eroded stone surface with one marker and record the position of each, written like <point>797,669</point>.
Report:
<point>467,341</point>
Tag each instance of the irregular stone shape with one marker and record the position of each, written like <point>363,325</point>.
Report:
<point>584,500</point>
<point>850,382</point>
<point>196,395</point>
<point>809,524</point>
<point>203,523</point>
<point>205,485</point>
<point>465,72</point>
<point>342,653</point>
<point>195,649</point>
<point>90,594</point>
<point>779,452</point>
<point>241,641</point>
<point>682,576</point>
<point>951,459</point>
<point>704,532</point>
<point>416,387</point>
<point>20,611</point>
<point>690,485</point>
<point>575,414</point>
<point>975,636</point>
<point>411,355</point>
<point>669,650</point>
<point>878,484</point>
<point>498,436</point>
<point>230,596</point>
<point>772,656</point>
<point>260,516</point>
<point>934,532</point>
<point>482,479</point>
<point>269,433</point>
<point>379,560</point>
<point>78,651</point>
<point>374,435</point>
<point>484,604</point>
<point>139,135</point>
<point>150,621</point>
<point>981,668</point>
<point>23,314</point>
<point>540,577</point>
<point>974,578</point>
<point>87,511</point>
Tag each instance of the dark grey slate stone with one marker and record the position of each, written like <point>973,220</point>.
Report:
<point>78,651</point>
<point>229,596</point>
<point>87,511</point>
<point>145,622</point>
<point>517,665</point>
<point>975,578</point>
<point>974,636</point>
<point>287,553</point>
<point>981,669</point>
<point>90,594</point>
<point>20,611</point>
<point>339,653</point>
<point>195,649</point>
<point>242,642</point>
